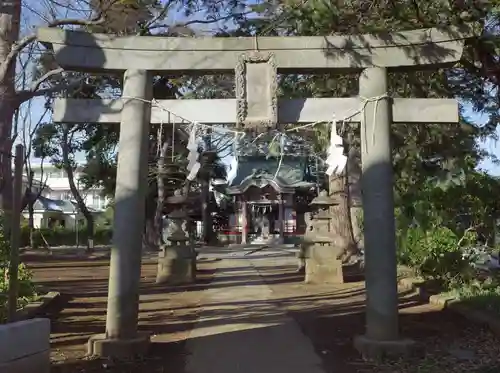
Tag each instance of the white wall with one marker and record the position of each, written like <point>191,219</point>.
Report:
<point>39,221</point>
<point>58,185</point>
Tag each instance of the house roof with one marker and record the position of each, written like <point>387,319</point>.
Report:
<point>285,176</point>
<point>57,205</point>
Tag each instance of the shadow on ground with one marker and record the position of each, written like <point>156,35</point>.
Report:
<point>330,317</point>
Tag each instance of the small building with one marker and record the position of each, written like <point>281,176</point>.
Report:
<point>56,186</point>
<point>268,198</point>
<point>51,213</point>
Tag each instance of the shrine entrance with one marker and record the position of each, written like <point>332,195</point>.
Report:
<point>267,207</point>
<point>263,223</point>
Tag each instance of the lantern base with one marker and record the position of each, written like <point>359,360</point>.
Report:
<point>323,267</point>
<point>176,265</point>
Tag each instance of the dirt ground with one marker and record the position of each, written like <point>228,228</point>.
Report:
<point>330,317</point>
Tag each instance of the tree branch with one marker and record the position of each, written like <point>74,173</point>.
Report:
<point>18,46</point>
<point>30,93</point>
<point>199,21</point>
<point>37,83</point>
<point>160,15</point>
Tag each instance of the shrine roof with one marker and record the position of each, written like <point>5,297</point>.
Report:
<point>292,173</point>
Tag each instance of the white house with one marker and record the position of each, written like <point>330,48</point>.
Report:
<point>49,213</point>
<point>57,185</point>
<point>56,204</point>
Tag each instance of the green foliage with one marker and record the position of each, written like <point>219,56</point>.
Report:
<point>453,147</point>
<point>481,294</point>
<point>25,284</point>
<point>65,237</point>
<point>436,253</point>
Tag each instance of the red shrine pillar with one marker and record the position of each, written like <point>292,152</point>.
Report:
<point>281,213</point>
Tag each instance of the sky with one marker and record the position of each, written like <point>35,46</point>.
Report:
<point>32,113</point>
<point>491,145</point>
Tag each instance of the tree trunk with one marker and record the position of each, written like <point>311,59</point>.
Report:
<point>10,14</point>
<point>68,168</point>
<point>160,200</point>
<point>341,227</point>
<point>31,211</point>
<point>150,237</point>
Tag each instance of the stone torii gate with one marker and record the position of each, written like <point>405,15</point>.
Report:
<point>256,62</point>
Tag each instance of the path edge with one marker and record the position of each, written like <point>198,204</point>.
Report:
<point>449,302</point>
<point>35,308</point>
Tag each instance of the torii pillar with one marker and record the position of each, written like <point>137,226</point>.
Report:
<point>382,319</point>
<point>122,339</point>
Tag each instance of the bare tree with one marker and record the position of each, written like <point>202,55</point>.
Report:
<point>34,187</point>
<point>11,46</point>
<point>24,129</point>
<point>69,166</point>
<point>160,200</point>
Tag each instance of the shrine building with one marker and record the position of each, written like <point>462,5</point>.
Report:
<point>268,198</point>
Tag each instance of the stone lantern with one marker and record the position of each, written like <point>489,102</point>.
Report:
<point>177,258</point>
<point>319,255</point>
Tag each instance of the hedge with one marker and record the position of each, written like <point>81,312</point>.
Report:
<point>64,237</point>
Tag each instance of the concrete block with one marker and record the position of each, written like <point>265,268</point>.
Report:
<point>24,338</point>
<point>372,349</point>
<point>36,363</point>
<point>32,309</point>
<point>25,346</point>
<point>441,300</point>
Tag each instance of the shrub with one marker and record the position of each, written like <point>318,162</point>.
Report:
<point>65,237</point>
<point>436,254</point>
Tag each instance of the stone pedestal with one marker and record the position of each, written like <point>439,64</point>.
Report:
<point>176,265</point>
<point>103,346</point>
<point>323,267</point>
<point>374,349</point>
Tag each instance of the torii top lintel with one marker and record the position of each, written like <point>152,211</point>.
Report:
<point>75,50</point>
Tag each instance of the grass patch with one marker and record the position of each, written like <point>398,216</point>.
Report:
<point>483,295</point>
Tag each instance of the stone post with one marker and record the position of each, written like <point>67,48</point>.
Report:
<point>244,223</point>
<point>121,338</point>
<point>382,334</point>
